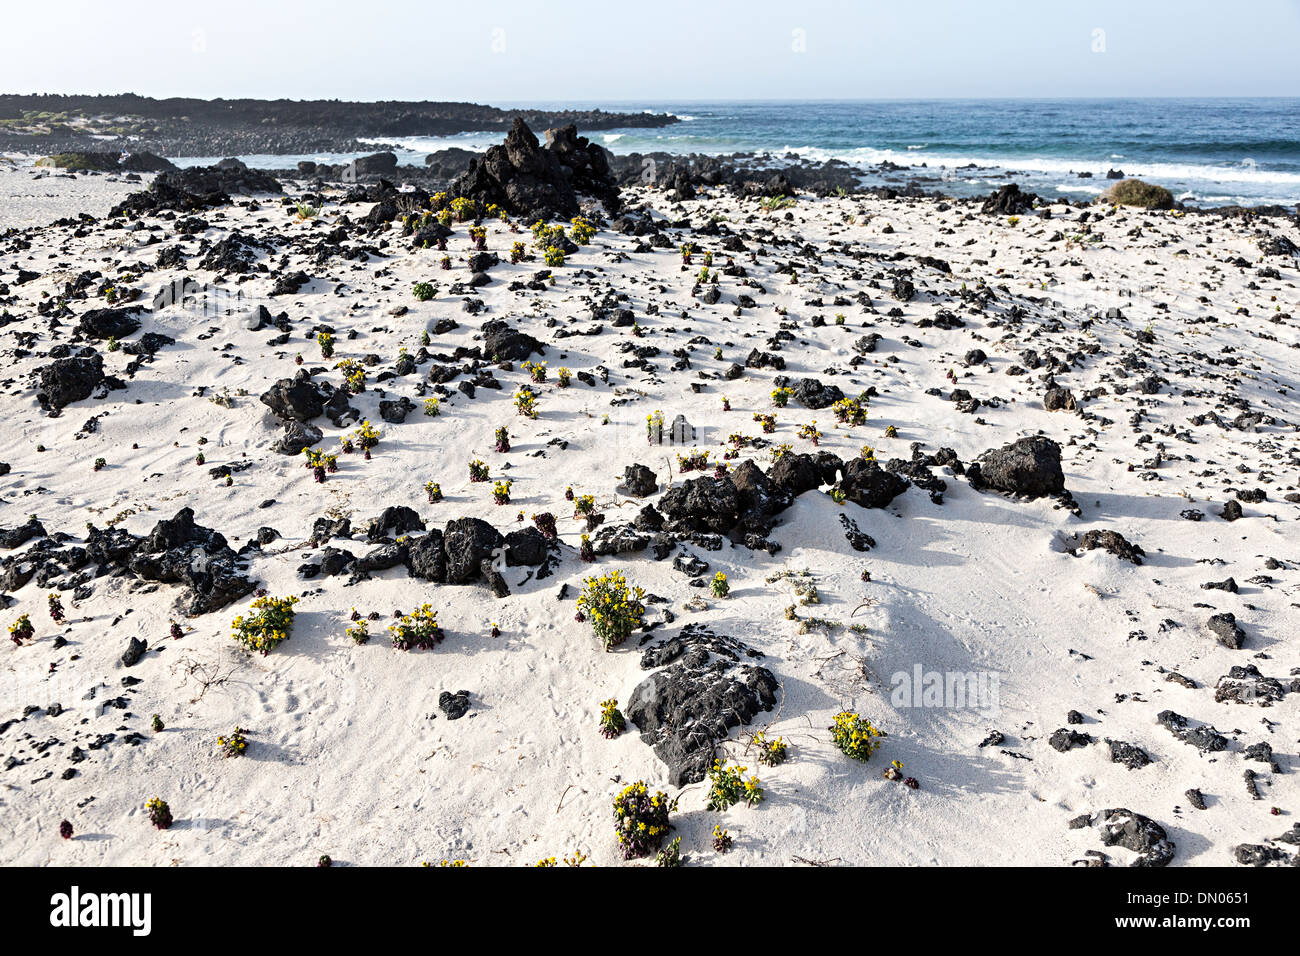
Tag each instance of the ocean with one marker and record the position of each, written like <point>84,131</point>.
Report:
<point>1207,151</point>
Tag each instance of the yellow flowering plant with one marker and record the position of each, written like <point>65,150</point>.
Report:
<point>160,815</point>
<point>641,819</point>
<point>850,411</point>
<point>419,629</point>
<point>614,608</point>
<point>728,786</point>
<point>772,752</point>
<point>268,626</point>
<point>856,736</point>
<point>234,745</point>
<point>612,721</point>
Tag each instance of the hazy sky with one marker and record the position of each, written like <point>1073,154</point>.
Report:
<point>658,50</point>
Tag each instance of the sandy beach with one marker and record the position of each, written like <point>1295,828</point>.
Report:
<point>1153,353</point>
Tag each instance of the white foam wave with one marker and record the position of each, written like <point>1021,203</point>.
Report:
<point>1246,173</point>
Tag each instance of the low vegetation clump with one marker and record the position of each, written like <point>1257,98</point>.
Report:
<point>234,745</point>
<point>366,436</point>
<point>728,786</point>
<point>478,470</point>
<point>545,523</point>
<point>359,631</point>
<point>582,231</point>
<point>781,396</point>
<point>856,736</point>
<point>719,585</point>
<point>671,855</point>
<point>615,608</point>
<point>160,815</point>
<point>696,461</point>
<point>850,411</point>
<point>526,402</point>
<point>771,753</point>
<point>1135,192</point>
<point>654,427</point>
<point>423,291</point>
<point>432,407</point>
<point>418,630</point>
<point>501,492</point>
<point>641,819</point>
<point>354,375</point>
<point>721,838</point>
<point>267,627</point>
<point>612,721</point>
<point>464,209</point>
<point>21,630</point>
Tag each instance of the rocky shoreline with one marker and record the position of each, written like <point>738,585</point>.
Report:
<point>189,127</point>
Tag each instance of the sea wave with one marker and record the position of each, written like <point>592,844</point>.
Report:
<point>1242,172</point>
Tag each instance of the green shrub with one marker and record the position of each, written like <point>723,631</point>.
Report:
<point>1134,192</point>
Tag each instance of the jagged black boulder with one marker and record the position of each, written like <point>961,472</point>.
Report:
<point>178,551</point>
<point>504,343</point>
<point>525,548</point>
<point>811,393</point>
<point>533,181</point>
<point>702,504</point>
<point>469,542</point>
<point>1009,201</point>
<point>297,436</point>
<point>868,485</point>
<point>426,559</point>
<point>708,684</point>
<point>110,323</point>
<point>294,398</point>
<point>398,519</point>
<point>68,380</point>
<point>1114,543</point>
<point>1141,834</point>
<point>638,481</point>
<point>1029,466</point>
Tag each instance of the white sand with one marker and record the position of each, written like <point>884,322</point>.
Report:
<point>349,754</point>
<point>35,196</point>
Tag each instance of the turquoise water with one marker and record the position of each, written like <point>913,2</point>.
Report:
<point>1208,151</point>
